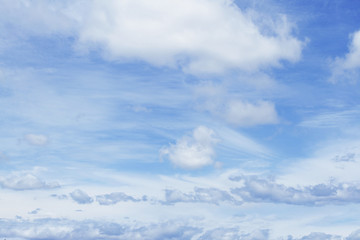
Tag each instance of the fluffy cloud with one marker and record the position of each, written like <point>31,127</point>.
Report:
<point>256,189</point>
<point>25,181</point>
<point>81,197</point>
<point>197,36</point>
<point>347,68</point>
<point>191,152</point>
<point>36,139</point>
<point>204,195</point>
<point>115,197</point>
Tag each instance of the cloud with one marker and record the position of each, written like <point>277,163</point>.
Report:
<point>192,152</point>
<point>115,197</point>
<point>25,181</point>
<point>348,67</point>
<point>81,197</point>
<point>35,211</point>
<point>197,36</point>
<point>224,104</point>
<point>249,114</point>
<point>234,233</point>
<point>56,229</point>
<point>256,189</point>
<point>331,119</point>
<point>200,195</point>
<point>36,139</point>
<point>320,236</point>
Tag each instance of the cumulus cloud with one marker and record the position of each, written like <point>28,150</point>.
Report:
<point>200,195</point>
<point>36,139</point>
<point>187,33</point>
<point>81,197</point>
<point>25,181</point>
<point>191,152</point>
<point>197,36</point>
<point>115,197</point>
<point>348,67</point>
<point>256,189</point>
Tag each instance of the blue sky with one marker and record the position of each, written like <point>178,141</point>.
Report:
<point>191,119</point>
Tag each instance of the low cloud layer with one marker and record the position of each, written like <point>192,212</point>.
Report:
<point>56,229</point>
<point>256,189</point>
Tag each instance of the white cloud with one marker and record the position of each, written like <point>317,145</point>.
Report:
<point>257,189</point>
<point>81,197</point>
<point>115,197</point>
<point>197,36</point>
<point>347,68</point>
<point>36,139</point>
<point>224,104</point>
<point>25,181</point>
<point>191,152</point>
<point>200,195</point>
<point>249,114</point>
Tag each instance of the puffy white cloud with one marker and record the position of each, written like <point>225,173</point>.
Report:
<point>81,197</point>
<point>191,152</point>
<point>197,36</point>
<point>36,139</point>
<point>115,197</point>
<point>25,181</point>
<point>347,68</point>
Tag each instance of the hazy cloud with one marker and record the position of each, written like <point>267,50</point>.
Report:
<point>81,197</point>
<point>203,195</point>
<point>25,181</point>
<point>36,139</point>
<point>115,197</point>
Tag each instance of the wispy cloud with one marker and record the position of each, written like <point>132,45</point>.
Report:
<point>347,68</point>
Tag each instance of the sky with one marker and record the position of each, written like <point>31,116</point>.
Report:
<point>179,119</point>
